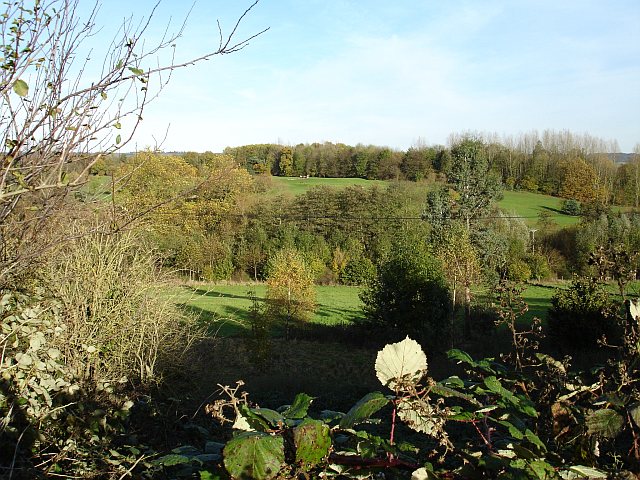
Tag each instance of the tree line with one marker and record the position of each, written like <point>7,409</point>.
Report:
<point>561,163</point>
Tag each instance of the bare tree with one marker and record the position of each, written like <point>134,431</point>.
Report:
<point>56,120</point>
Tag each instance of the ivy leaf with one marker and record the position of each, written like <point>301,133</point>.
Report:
<point>361,411</point>
<point>21,88</point>
<point>312,441</point>
<point>254,455</point>
<point>605,422</point>
<point>401,363</point>
<point>299,407</point>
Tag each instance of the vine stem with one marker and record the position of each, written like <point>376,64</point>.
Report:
<point>484,439</point>
<point>393,426</point>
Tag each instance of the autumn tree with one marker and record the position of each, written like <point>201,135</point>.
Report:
<point>461,266</point>
<point>57,120</point>
<point>290,289</point>
<point>580,182</point>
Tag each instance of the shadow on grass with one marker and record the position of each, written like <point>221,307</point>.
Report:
<point>555,210</point>
<point>201,292</point>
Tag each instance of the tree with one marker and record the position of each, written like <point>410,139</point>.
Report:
<point>470,174</point>
<point>290,290</point>
<point>56,124</point>
<point>580,182</point>
<point>409,295</point>
<point>461,266</point>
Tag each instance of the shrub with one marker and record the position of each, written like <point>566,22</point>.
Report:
<point>539,266</point>
<point>582,314</point>
<point>290,288</point>
<point>410,295</point>
<point>518,271</point>
<point>118,325</point>
<point>359,271</point>
<point>571,207</point>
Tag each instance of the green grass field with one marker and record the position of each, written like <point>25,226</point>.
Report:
<point>225,308</point>
<point>297,186</point>
<point>530,205</point>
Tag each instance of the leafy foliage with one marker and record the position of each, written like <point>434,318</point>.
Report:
<point>582,314</point>
<point>410,294</point>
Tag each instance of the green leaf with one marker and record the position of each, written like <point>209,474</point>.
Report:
<point>117,125</point>
<point>542,470</point>
<point>171,460</point>
<point>361,411</point>
<point>103,95</point>
<point>21,88</point>
<point>274,418</point>
<point>587,472</point>
<point>523,452</point>
<point>118,139</point>
<point>461,357</point>
<point>605,422</point>
<point>299,407</point>
<point>255,422</point>
<point>312,441</point>
<point>401,363</point>
<point>535,440</point>
<point>136,71</point>
<point>254,455</point>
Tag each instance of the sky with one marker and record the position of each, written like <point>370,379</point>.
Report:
<point>391,73</point>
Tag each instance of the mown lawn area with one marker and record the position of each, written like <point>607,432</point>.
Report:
<point>226,307</point>
<point>296,186</point>
<point>530,205</point>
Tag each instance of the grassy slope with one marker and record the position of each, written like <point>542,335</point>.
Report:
<point>297,186</point>
<point>530,205</point>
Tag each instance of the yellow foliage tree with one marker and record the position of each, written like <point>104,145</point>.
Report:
<point>580,182</point>
<point>291,296</point>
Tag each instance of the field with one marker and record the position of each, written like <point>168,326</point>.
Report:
<point>225,308</point>
<point>296,186</point>
<point>529,205</point>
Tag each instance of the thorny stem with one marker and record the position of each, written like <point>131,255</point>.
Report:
<point>393,425</point>
<point>484,439</point>
<point>636,441</point>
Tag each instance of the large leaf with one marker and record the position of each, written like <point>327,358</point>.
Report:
<point>312,441</point>
<point>21,88</point>
<point>420,416</point>
<point>361,411</point>
<point>299,407</point>
<point>254,455</point>
<point>401,363</point>
<point>605,422</point>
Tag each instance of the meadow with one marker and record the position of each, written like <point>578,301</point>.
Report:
<point>225,307</point>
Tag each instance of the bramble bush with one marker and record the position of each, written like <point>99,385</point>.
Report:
<point>581,315</point>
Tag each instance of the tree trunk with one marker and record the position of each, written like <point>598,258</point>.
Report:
<point>467,311</point>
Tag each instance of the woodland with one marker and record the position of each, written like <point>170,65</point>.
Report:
<point>441,374</point>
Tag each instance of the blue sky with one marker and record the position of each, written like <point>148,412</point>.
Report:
<point>392,72</point>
